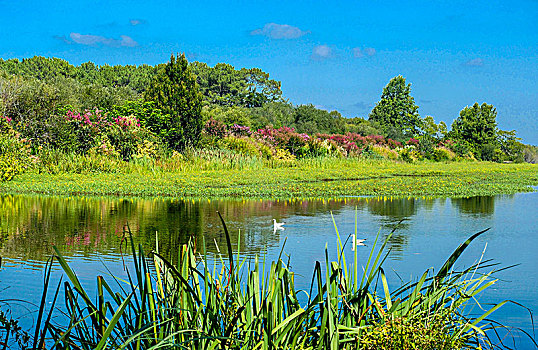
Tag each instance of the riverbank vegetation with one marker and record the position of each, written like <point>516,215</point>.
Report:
<point>225,176</point>
<point>223,301</point>
<point>179,118</point>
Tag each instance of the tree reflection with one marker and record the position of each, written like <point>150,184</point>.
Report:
<point>482,205</point>
<point>33,224</point>
<point>396,213</point>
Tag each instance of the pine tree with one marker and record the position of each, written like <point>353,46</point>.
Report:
<point>176,94</point>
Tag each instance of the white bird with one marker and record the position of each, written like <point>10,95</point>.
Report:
<point>356,242</point>
<point>277,226</point>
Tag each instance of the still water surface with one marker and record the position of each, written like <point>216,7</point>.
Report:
<point>89,231</point>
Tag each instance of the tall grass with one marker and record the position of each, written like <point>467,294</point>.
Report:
<point>232,304</point>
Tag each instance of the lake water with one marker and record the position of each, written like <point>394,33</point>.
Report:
<point>89,231</point>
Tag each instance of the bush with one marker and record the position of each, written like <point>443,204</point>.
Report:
<point>215,128</point>
<point>429,333</point>
<point>14,151</point>
<point>441,154</point>
<point>240,144</point>
<point>409,154</point>
<point>384,152</point>
<point>488,152</point>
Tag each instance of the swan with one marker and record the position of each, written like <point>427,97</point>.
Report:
<point>356,242</point>
<point>277,226</point>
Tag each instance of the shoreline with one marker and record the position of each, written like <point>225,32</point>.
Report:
<point>358,179</point>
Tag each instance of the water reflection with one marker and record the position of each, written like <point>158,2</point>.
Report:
<point>31,225</point>
<point>89,229</point>
<point>484,205</point>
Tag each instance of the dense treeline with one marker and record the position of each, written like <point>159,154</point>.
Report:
<point>147,112</point>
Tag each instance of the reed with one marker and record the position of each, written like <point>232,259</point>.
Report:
<point>233,304</point>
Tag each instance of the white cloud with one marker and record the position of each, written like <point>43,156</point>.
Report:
<point>127,41</point>
<point>477,62</point>
<point>321,52</point>
<point>93,40</point>
<point>367,51</point>
<point>279,31</point>
<point>137,21</point>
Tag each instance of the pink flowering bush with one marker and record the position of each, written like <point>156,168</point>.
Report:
<point>215,128</point>
<point>121,136</point>
<point>284,138</point>
<point>87,127</point>
<point>412,142</point>
<point>240,130</point>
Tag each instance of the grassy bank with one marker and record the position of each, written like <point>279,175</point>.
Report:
<point>323,177</point>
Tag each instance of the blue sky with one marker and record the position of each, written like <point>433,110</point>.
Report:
<point>335,55</point>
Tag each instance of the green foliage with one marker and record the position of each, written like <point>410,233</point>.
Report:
<point>14,152</point>
<point>431,332</point>
<point>315,148</point>
<point>442,154</point>
<point>275,114</point>
<point>133,79</point>
<point>308,119</point>
<point>98,160</point>
<point>228,115</point>
<point>436,131</point>
<point>477,126</point>
<point>241,145</point>
<point>530,154</point>
<point>223,173</point>
<point>175,93</point>
<point>384,152</point>
<point>409,154</point>
<point>363,127</point>
<point>397,109</point>
<point>223,85</point>
<point>510,147</point>
<point>247,306</point>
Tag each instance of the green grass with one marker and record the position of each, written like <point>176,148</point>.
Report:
<point>219,176</point>
<point>232,304</point>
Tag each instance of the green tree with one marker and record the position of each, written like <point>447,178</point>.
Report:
<point>175,93</point>
<point>397,109</point>
<point>436,131</point>
<point>510,146</point>
<point>477,126</point>
<point>311,120</point>
<point>226,86</point>
<point>275,114</point>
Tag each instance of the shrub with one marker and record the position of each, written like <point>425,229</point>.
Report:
<point>86,127</point>
<point>441,154</point>
<point>314,148</point>
<point>409,154</point>
<point>283,155</point>
<point>215,128</point>
<point>240,144</point>
<point>384,152</point>
<point>125,135</point>
<point>429,333</point>
<point>283,137</point>
<point>14,151</point>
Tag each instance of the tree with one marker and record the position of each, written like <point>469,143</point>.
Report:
<point>477,126</point>
<point>397,109</point>
<point>311,120</point>
<point>436,131</point>
<point>226,86</point>
<point>175,93</point>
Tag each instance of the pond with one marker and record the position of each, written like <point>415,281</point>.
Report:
<point>89,233</point>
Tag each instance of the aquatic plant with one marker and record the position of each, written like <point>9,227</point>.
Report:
<point>234,304</point>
